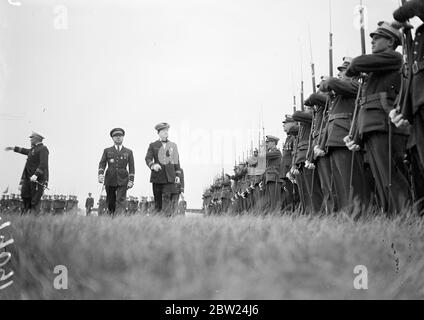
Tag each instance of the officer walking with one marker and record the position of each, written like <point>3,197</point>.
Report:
<point>36,173</point>
<point>89,204</point>
<point>163,161</point>
<point>117,179</point>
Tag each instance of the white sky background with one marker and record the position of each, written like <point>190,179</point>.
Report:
<point>206,67</point>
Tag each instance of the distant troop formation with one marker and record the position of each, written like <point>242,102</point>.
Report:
<point>49,204</point>
<point>358,140</point>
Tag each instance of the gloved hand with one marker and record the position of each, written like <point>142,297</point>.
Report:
<point>101,178</point>
<point>318,152</point>
<point>130,184</point>
<point>177,180</point>
<point>156,167</point>
<point>397,119</point>
<point>309,165</point>
<point>33,178</point>
<point>350,144</point>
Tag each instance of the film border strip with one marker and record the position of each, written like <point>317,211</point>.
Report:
<point>5,279</point>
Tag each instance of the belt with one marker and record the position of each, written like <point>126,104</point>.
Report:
<point>375,97</point>
<point>417,66</point>
<point>340,116</point>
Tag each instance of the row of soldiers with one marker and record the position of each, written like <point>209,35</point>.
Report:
<point>146,205</point>
<point>54,204</point>
<point>358,140</point>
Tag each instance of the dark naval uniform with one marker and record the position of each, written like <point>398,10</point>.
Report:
<point>37,164</point>
<point>413,106</point>
<point>89,204</point>
<point>374,128</point>
<point>163,181</point>
<point>117,176</point>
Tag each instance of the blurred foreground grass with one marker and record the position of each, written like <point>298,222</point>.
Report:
<point>243,257</point>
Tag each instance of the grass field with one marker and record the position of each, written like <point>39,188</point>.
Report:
<point>243,257</point>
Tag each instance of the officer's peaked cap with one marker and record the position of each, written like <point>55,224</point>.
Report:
<point>36,135</point>
<point>161,126</point>
<point>388,30</point>
<point>272,138</point>
<point>117,131</point>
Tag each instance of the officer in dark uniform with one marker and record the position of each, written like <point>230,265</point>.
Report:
<point>36,173</point>
<point>374,129</point>
<point>117,179</point>
<point>89,204</point>
<point>163,161</point>
<point>412,109</point>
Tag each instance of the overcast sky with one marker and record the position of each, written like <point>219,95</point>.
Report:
<point>73,70</point>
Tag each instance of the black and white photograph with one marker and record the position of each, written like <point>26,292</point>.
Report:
<point>223,152</point>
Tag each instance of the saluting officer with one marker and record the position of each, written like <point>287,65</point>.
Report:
<point>36,173</point>
<point>118,179</point>
<point>163,161</point>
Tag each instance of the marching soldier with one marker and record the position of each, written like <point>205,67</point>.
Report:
<point>272,173</point>
<point>412,109</point>
<point>163,161</point>
<point>89,204</point>
<point>382,141</point>
<point>36,173</point>
<point>117,179</point>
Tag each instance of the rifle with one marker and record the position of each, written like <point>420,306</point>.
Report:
<point>330,49</point>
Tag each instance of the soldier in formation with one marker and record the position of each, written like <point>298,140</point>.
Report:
<point>357,142</point>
